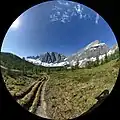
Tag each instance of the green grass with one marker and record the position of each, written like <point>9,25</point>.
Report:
<point>71,93</point>
<point>68,93</point>
<point>24,88</point>
<point>18,82</point>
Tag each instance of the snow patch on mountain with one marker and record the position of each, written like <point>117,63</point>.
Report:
<point>38,62</point>
<point>34,61</point>
<point>91,52</point>
<point>92,44</point>
<point>102,57</point>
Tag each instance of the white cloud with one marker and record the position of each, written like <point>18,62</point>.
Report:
<point>62,2</point>
<point>51,16</point>
<point>73,14</point>
<point>63,20</point>
<point>89,16</point>
<point>97,18</point>
<point>54,16</point>
<point>56,8</point>
<point>64,14</point>
<point>68,10</point>
<point>81,16</point>
<point>84,16</point>
<point>54,19</point>
<point>59,2</point>
<point>78,9</point>
<point>58,13</point>
<point>66,3</point>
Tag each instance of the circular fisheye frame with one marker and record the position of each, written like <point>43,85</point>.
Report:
<point>59,59</point>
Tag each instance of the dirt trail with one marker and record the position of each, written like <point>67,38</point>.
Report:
<point>41,110</point>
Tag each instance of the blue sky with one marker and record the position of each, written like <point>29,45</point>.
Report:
<point>56,26</point>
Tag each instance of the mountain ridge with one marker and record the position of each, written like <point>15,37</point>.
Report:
<point>49,57</point>
<point>90,52</point>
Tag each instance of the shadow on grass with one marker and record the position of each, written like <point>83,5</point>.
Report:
<point>100,99</point>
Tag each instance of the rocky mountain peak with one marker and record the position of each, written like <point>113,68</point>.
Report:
<point>50,57</point>
<point>94,49</point>
<point>92,44</point>
<point>90,52</point>
<point>115,47</point>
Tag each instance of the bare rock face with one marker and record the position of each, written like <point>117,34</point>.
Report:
<point>51,57</point>
<point>94,49</point>
<point>91,52</point>
<point>115,47</point>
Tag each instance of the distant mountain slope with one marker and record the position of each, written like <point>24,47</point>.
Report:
<point>49,57</point>
<point>94,49</point>
<point>12,61</point>
<point>91,52</point>
<point>113,49</point>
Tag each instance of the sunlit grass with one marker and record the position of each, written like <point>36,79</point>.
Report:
<point>71,93</point>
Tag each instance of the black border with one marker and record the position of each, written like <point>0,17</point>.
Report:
<point>9,109</point>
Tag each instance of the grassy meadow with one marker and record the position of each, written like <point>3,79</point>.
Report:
<point>69,94</point>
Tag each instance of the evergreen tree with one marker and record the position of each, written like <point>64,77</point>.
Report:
<point>102,62</point>
<point>106,58</point>
<point>117,54</point>
<point>23,58</point>
<point>23,67</point>
<point>48,71</point>
<point>36,70</point>
<point>72,68</point>
<point>97,61</point>
<point>77,64</point>
<point>88,64</point>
